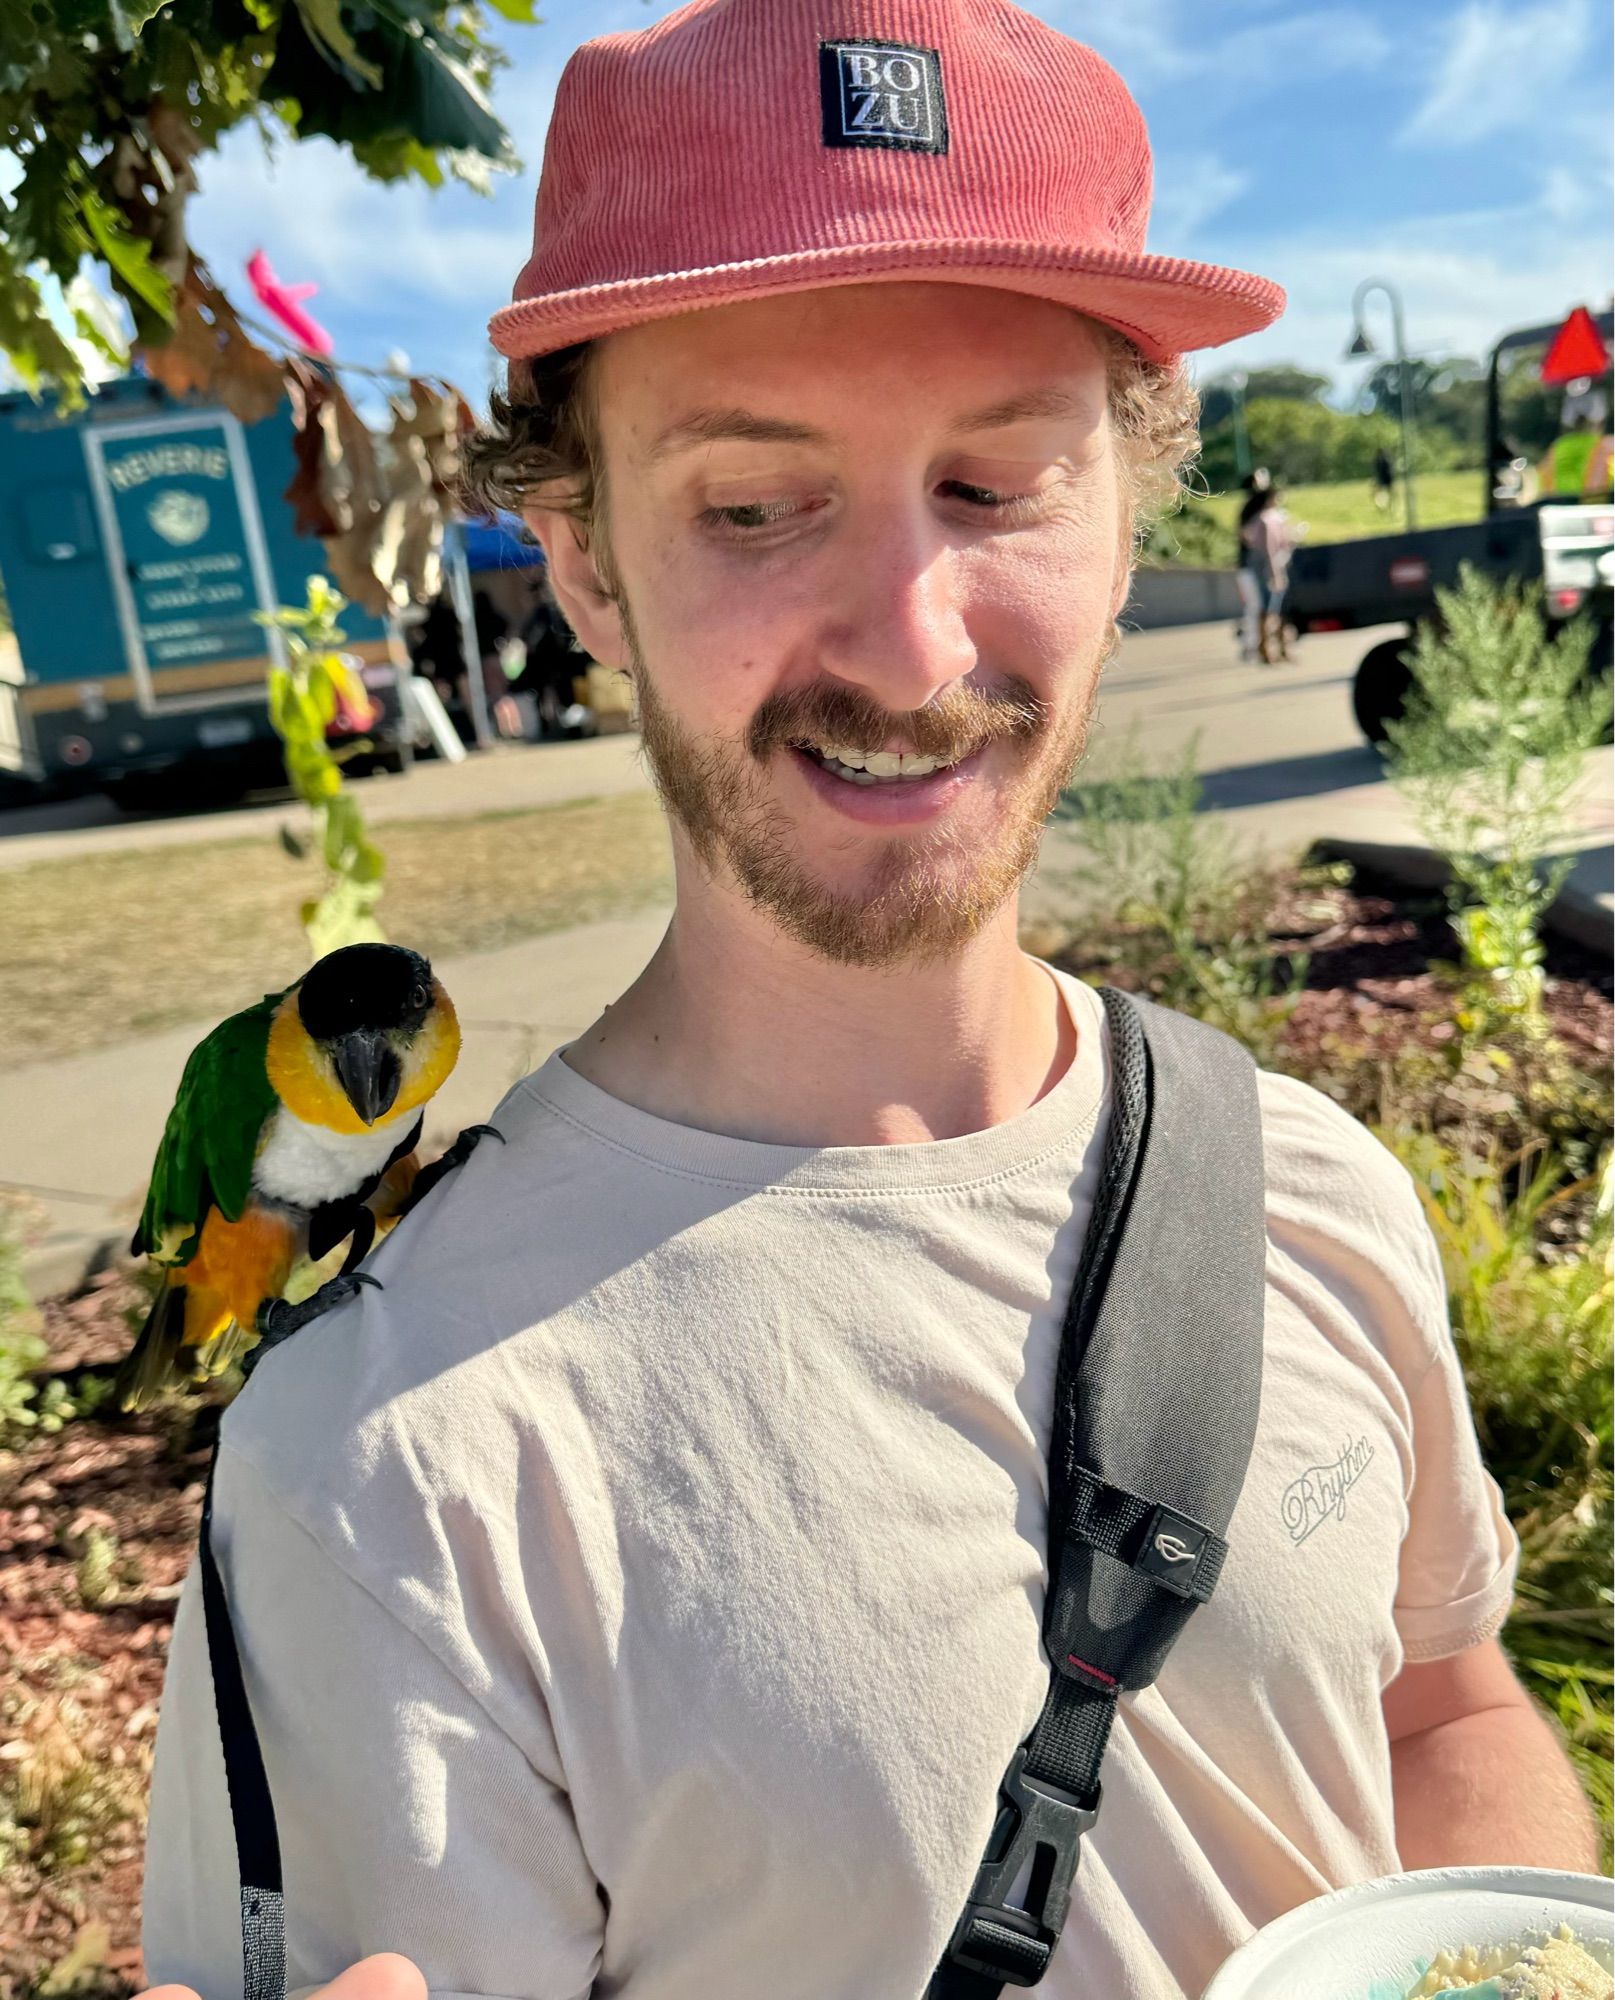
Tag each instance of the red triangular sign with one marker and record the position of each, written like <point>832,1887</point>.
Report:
<point>1576,349</point>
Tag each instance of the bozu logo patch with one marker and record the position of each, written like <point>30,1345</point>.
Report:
<point>883,94</point>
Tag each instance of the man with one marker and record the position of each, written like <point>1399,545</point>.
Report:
<point>1576,465</point>
<point>640,1595</point>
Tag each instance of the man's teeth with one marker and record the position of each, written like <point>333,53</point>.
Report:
<point>867,767</point>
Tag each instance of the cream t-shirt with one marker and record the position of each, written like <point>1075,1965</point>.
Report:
<point>640,1596</point>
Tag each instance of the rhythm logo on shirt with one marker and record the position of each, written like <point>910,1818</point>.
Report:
<point>1319,1494</point>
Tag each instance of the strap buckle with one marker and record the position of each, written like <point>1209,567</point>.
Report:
<point>1036,1844</point>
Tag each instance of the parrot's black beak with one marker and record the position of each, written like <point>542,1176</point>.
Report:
<point>369,1072</point>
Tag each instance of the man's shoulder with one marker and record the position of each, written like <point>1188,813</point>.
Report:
<point>1343,1210</point>
<point>406,1384</point>
<point>1318,1157</point>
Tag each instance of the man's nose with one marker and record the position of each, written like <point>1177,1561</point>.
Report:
<point>896,624</point>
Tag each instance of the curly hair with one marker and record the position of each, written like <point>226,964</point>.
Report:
<point>543,432</point>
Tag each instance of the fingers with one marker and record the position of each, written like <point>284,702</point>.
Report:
<point>170,1993</point>
<point>386,1976</point>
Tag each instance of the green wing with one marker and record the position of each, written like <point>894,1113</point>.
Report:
<point>208,1145</point>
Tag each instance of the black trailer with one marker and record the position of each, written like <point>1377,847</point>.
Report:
<point>1392,579</point>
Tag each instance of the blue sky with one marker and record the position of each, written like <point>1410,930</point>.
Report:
<point>1460,148</point>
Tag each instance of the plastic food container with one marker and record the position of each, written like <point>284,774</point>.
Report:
<point>1377,1939</point>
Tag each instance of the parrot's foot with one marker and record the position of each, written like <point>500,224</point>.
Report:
<point>454,1154</point>
<point>279,1319</point>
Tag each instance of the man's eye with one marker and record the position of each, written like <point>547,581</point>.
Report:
<point>981,496</point>
<point>750,516</point>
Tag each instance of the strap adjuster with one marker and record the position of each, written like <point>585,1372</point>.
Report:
<point>1038,1836</point>
<point>1171,1548</point>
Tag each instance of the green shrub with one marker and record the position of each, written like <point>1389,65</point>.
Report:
<point>1182,910</point>
<point>1490,753</point>
<point>1531,1317</point>
<point>27,1405</point>
<point>1194,535</point>
<point>97,1571</point>
<point>304,697</point>
<point>21,1347</point>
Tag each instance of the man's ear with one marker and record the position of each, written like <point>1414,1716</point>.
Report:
<point>574,576</point>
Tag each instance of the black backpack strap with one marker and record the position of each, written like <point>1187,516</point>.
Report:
<point>1157,1391</point>
<point>263,1933</point>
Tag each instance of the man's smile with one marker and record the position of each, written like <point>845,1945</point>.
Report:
<point>880,797</point>
<point>868,767</point>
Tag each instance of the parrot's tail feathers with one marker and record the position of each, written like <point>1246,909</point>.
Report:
<point>153,1364</point>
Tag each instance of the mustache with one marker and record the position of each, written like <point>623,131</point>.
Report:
<point>960,720</point>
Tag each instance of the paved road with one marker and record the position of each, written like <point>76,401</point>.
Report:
<point>1278,750</point>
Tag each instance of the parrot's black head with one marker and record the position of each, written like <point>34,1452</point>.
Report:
<point>364,1007</point>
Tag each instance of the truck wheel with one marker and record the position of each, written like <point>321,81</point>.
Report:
<point>1381,688</point>
<point>141,791</point>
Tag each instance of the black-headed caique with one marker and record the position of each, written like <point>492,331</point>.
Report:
<point>295,1126</point>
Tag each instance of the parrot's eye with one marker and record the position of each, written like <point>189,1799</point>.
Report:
<point>418,996</point>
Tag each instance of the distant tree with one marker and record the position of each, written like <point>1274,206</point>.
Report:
<point>1282,382</point>
<point>109,105</point>
<point>1305,443</point>
<point>1382,389</point>
<point>1448,393</point>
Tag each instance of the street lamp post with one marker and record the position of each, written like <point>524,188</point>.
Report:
<point>1242,443</point>
<point>1362,344</point>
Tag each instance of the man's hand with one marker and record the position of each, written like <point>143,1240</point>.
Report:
<point>384,1977</point>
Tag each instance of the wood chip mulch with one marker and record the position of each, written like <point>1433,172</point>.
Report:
<point>79,1684</point>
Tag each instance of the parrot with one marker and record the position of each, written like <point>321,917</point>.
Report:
<point>295,1126</point>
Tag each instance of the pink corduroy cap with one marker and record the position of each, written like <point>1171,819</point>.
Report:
<point>741,148</point>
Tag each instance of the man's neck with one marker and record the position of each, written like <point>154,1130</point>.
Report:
<point>736,1028</point>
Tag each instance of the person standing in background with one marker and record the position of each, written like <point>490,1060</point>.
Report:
<point>1252,598</point>
<point>1384,479</point>
<point>1272,536</point>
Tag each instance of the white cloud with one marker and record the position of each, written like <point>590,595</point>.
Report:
<point>1464,280</point>
<point>1332,42</point>
<point>1502,68</point>
<point>1145,41</point>
<point>1157,43</point>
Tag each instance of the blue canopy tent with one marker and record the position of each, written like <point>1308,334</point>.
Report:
<point>502,543</point>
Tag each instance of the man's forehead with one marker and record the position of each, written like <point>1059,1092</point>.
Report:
<point>711,424</point>
<point>798,368</point>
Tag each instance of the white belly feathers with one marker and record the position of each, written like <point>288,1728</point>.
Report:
<point>307,1164</point>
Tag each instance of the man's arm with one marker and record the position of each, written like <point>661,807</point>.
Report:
<point>1477,1774</point>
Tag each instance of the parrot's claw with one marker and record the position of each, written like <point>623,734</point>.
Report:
<point>454,1154</point>
<point>279,1319</point>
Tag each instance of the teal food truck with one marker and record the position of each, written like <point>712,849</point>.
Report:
<point>137,538</point>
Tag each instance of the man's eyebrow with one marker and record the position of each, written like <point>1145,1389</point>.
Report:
<point>729,426</point>
<point>726,426</point>
<point>1021,408</point>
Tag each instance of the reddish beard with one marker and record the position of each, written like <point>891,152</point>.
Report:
<point>922,895</point>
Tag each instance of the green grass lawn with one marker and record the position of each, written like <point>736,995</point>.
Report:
<point>79,973</point>
<point>1345,512</point>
